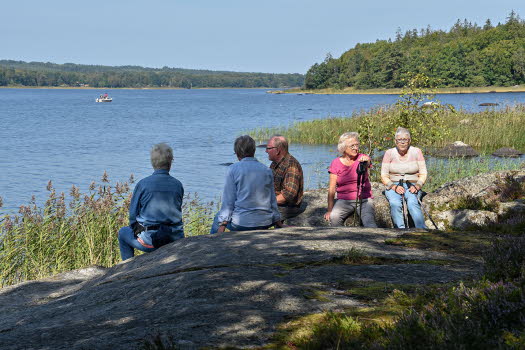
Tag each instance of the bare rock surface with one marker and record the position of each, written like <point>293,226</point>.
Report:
<point>465,219</point>
<point>507,152</point>
<point>229,289</point>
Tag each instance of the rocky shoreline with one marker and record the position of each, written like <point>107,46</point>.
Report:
<point>235,289</point>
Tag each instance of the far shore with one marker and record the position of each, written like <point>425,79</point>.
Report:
<point>398,91</point>
<point>130,88</point>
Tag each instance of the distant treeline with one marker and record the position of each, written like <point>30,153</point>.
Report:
<point>18,73</point>
<point>467,55</point>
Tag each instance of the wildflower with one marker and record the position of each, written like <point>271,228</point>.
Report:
<point>61,205</point>
<point>131,179</point>
<point>1,202</point>
<point>8,224</point>
<point>74,192</point>
<point>49,186</point>
<point>92,186</point>
<point>105,177</point>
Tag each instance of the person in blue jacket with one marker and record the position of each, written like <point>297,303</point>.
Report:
<point>155,211</point>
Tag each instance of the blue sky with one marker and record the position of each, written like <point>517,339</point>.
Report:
<point>285,36</point>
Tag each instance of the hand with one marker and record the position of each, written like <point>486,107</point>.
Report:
<point>364,159</point>
<point>413,189</point>
<point>221,229</point>
<point>398,189</point>
<point>279,224</point>
<point>327,215</point>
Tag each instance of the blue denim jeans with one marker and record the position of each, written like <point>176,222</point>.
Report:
<point>128,243</point>
<point>232,227</point>
<point>396,208</point>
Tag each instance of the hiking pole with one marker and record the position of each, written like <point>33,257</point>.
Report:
<point>404,205</point>
<point>361,171</point>
<point>357,197</point>
<point>423,193</point>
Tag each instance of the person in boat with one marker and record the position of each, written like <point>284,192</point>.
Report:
<point>155,211</point>
<point>404,173</point>
<point>287,177</point>
<point>105,95</point>
<point>248,200</point>
<point>354,191</point>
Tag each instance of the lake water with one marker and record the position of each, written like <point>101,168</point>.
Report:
<point>64,136</point>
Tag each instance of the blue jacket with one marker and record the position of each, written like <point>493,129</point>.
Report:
<point>157,199</point>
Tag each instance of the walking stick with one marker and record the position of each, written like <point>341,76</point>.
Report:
<point>361,170</point>
<point>357,198</point>
<point>404,205</point>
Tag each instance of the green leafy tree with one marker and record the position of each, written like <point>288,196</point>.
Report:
<point>426,121</point>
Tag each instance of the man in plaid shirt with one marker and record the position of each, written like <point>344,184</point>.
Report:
<point>287,177</point>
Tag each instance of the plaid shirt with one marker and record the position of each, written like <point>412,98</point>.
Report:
<point>288,180</point>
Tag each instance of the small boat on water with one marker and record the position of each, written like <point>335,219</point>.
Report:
<point>104,98</point>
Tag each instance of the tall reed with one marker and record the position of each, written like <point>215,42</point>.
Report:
<point>41,241</point>
<point>486,131</point>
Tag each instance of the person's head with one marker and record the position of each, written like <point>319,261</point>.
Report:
<point>402,139</point>
<point>244,146</point>
<point>349,144</point>
<point>161,156</point>
<point>277,148</point>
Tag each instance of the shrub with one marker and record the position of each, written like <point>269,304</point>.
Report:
<point>505,259</point>
<point>488,316</point>
<point>60,236</point>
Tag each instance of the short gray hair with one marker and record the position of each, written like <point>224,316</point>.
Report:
<point>280,142</point>
<point>161,156</point>
<point>402,131</point>
<point>244,146</point>
<point>343,140</point>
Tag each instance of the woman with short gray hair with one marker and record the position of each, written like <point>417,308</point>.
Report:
<point>404,172</point>
<point>155,211</point>
<point>349,179</point>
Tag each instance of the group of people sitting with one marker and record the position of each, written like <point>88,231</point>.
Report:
<point>256,197</point>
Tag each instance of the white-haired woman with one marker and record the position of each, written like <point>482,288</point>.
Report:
<point>155,211</point>
<point>404,172</point>
<point>349,185</point>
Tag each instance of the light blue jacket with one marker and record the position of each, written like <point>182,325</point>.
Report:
<point>249,199</point>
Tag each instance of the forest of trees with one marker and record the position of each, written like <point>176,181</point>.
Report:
<point>18,73</point>
<point>467,55</point>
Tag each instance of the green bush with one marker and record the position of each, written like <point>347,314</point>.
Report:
<point>505,259</point>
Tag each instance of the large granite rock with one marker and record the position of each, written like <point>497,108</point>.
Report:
<point>456,149</point>
<point>224,290</point>
<point>507,152</point>
<point>465,219</point>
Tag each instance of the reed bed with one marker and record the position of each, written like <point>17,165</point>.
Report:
<point>485,131</point>
<point>42,241</point>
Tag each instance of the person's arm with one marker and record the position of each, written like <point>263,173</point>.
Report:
<point>291,184</point>
<point>229,195</point>
<point>422,173</point>
<point>331,195</point>
<point>134,205</point>
<point>385,170</point>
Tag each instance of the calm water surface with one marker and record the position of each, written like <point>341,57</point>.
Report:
<point>64,136</point>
